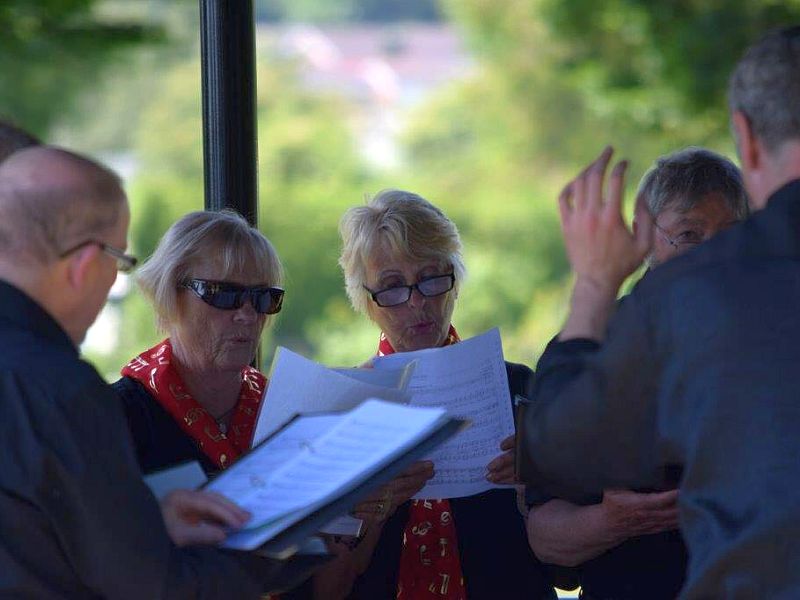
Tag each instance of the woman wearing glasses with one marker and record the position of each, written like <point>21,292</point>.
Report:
<point>402,266</point>
<point>213,282</point>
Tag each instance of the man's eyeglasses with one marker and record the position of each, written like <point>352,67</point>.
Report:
<point>687,238</point>
<point>399,294</point>
<point>125,262</point>
<point>230,296</point>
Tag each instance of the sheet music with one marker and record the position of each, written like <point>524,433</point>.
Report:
<point>185,476</point>
<point>347,453</point>
<point>390,378</point>
<point>298,385</point>
<point>468,379</point>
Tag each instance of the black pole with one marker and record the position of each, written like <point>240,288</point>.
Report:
<point>227,33</point>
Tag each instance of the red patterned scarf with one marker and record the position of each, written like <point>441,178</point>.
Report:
<point>429,562</point>
<point>155,371</point>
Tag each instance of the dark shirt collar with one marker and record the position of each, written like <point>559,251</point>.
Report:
<point>786,194</point>
<point>20,311</point>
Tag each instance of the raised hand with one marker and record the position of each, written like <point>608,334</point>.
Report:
<point>599,244</point>
<point>601,248</point>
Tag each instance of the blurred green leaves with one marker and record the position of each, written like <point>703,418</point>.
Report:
<point>554,81</point>
<point>51,52</point>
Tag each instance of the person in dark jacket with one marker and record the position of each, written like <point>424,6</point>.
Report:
<point>697,373</point>
<point>402,266</point>
<point>626,543</point>
<point>76,519</point>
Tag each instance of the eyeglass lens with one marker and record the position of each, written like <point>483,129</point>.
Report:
<point>265,300</point>
<point>434,286</point>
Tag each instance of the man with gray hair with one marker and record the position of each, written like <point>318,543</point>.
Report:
<point>76,520</point>
<point>692,194</point>
<point>626,543</point>
<point>697,371</point>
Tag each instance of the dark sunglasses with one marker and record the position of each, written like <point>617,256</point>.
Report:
<point>400,294</point>
<point>229,296</point>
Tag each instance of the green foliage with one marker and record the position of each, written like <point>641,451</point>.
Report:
<point>650,76</point>
<point>555,80</point>
<point>348,10</point>
<point>51,52</point>
<point>308,174</point>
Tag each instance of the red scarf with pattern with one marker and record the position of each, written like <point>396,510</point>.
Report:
<point>429,562</point>
<point>155,371</point>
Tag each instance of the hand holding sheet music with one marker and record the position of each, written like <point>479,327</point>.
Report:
<point>322,458</point>
<point>469,380</point>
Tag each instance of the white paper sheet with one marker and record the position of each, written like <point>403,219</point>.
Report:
<point>298,385</point>
<point>468,379</point>
<point>390,378</point>
<point>347,453</point>
<point>185,476</point>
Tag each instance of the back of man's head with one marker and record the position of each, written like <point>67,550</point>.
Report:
<point>765,87</point>
<point>13,138</point>
<point>51,200</point>
<point>58,210</point>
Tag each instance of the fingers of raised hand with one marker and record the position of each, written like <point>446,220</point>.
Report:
<point>595,177</point>
<point>643,226</point>
<point>616,187</point>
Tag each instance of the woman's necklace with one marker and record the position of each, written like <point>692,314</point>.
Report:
<point>223,426</point>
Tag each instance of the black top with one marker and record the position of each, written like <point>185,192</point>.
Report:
<point>76,520</point>
<point>649,566</point>
<point>160,443</point>
<point>158,440</point>
<point>699,369</point>
<point>496,559</point>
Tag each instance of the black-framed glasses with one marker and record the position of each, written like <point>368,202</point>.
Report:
<point>399,294</point>
<point>687,238</point>
<point>125,262</point>
<point>230,296</point>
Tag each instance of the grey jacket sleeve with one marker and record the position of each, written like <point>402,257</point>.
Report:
<point>592,423</point>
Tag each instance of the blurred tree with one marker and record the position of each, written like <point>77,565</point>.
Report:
<point>382,11</point>
<point>53,50</point>
<point>557,79</point>
<point>649,76</point>
<point>309,172</point>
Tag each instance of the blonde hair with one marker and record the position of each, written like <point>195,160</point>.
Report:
<point>403,223</point>
<point>224,238</point>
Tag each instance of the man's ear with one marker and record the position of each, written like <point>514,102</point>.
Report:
<point>81,264</point>
<point>750,149</point>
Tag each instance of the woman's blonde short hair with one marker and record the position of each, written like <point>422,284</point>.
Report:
<point>224,238</point>
<point>403,223</point>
